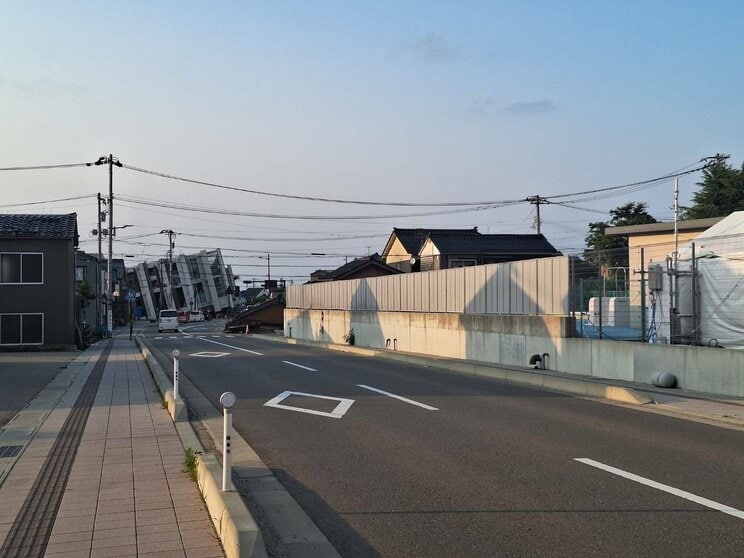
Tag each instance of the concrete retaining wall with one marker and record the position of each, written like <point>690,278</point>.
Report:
<point>511,340</point>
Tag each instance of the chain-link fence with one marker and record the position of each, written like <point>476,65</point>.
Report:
<point>684,292</point>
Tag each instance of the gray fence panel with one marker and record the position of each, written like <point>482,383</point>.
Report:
<point>531,291</point>
<point>524,287</point>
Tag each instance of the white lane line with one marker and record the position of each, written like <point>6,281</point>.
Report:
<point>404,399</point>
<point>299,366</point>
<point>230,346</point>
<point>664,488</point>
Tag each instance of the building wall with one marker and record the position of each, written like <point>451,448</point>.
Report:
<point>398,257</point>
<point>193,278</point>
<point>55,298</point>
<point>511,340</point>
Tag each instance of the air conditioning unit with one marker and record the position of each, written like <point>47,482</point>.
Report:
<point>615,311</point>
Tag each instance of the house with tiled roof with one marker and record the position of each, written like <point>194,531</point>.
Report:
<point>403,246</point>
<point>368,266</point>
<point>37,281</point>
<point>433,249</point>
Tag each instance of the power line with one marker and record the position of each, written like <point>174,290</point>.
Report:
<point>46,167</point>
<point>307,198</point>
<point>264,239</point>
<point>49,201</point>
<point>183,207</point>
<point>650,181</point>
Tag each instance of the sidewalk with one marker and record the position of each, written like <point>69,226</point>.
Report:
<point>93,466</point>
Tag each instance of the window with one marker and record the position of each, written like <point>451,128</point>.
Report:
<point>21,329</point>
<point>16,268</point>
<point>80,274</point>
<point>462,263</point>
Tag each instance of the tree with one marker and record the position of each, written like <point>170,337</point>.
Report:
<point>721,192</point>
<point>612,251</point>
<point>84,293</point>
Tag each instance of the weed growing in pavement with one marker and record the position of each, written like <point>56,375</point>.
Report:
<point>189,462</point>
<point>164,403</point>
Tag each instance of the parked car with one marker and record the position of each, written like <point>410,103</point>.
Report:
<point>196,316</point>
<point>167,321</point>
<point>183,317</point>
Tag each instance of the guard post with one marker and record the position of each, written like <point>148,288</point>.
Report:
<point>228,400</point>
<point>176,355</point>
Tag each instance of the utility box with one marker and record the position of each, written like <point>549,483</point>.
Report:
<point>655,277</point>
<point>615,311</point>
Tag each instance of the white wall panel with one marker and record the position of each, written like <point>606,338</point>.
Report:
<point>524,287</point>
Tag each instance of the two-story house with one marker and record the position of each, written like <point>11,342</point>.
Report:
<point>37,280</point>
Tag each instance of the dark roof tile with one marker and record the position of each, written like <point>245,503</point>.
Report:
<point>413,239</point>
<point>39,226</point>
<point>489,244</point>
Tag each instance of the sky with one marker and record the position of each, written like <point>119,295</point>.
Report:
<point>415,102</point>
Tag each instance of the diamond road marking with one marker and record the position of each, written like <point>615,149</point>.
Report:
<point>209,354</point>
<point>338,412</point>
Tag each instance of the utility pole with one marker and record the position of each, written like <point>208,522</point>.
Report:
<point>99,308</point>
<point>111,161</point>
<point>170,234</point>
<point>536,201</point>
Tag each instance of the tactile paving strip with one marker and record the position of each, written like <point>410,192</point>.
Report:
<point>30,533</point>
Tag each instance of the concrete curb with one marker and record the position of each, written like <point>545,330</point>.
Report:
<point>238,531</point>
<point>540,379</point>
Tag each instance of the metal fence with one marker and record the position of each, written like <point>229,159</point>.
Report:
<point>689,292</point>
<point>534,287</point>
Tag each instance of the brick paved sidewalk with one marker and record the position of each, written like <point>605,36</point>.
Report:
<point>127,493</point>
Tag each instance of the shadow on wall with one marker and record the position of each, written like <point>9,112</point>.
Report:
<point>515,314</point>
<point>342,325</point>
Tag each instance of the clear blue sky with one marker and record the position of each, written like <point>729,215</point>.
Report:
<point>387,101</point>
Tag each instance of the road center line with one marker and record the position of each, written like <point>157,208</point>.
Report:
<point>299,366</point>
<point>230,346</point>
<point>664,488</point>
<point>411,401</point>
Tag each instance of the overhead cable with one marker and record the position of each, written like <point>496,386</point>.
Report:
<point>45,167</point>
<point>310,198</point>
<point>181,207</point>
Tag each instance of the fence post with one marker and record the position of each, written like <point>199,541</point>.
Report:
<point>176,356</point>
<point>228,400</point>
<point>601,289</point>
<point>693,272</point>
<point>643,297</point>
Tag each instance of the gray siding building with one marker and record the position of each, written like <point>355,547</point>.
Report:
<point>37,280</point>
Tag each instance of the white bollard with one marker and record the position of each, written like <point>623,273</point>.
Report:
<point>176,354</point>
<point>228,400</point>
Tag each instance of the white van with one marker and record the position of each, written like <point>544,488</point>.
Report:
<point>167,320</point>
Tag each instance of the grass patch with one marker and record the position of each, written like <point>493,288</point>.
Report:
<point>189,461</point>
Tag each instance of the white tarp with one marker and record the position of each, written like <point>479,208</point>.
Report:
<point>719,252</point>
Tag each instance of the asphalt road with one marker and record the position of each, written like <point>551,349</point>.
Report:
<point>470,467</point>
<point>25,374</point>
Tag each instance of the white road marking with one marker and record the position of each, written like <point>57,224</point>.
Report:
<point>299,366</point>
<point>664,488</point>
<point>158,338</point>
<point>404,399</point>
<point>230,346</point>
<point>209,354</point>
<point>338,412</point>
